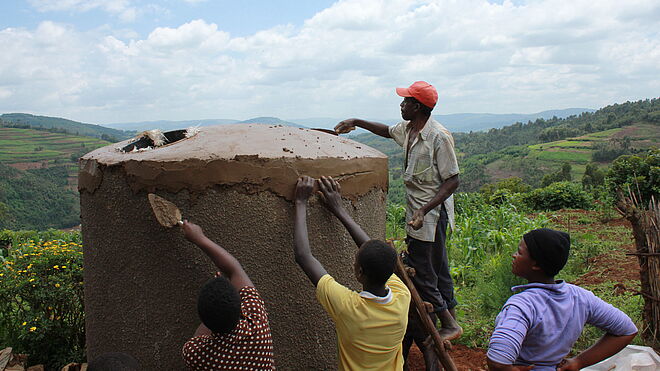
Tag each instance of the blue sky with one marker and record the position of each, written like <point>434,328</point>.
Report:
<point>239,18</point>
<point>104,61</point>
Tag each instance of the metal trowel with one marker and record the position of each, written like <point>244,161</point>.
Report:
<point>166,212</point>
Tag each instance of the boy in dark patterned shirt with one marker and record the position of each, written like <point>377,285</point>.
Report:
<point>234,333</point>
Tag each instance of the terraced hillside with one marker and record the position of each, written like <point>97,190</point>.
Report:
<point>578,151</point>
<point>25,149</point>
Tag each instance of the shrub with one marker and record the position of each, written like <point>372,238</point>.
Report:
<point>593,177</point>
<point>639,173</point>
<point>559,195</point>
<point>562,175</point>
<point>41,301</point>
<point>513,185</point>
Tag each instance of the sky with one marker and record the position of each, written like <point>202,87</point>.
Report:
<point>111,61</point>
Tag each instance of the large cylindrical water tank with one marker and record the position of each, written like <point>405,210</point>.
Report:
<point>237,182</point>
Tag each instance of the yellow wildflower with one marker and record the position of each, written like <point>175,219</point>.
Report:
<point>32,328</point>
<point>64,267</point>
<point>31,280</point>
<point>56,266</point>
<point>24,323</point>
<point>57,285</point>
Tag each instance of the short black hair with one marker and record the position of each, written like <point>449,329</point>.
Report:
<point>114,361</point>
<point>219,305</point>
<point>377,260</point>
<point>426,110</point>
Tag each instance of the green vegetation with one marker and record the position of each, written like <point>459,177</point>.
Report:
<point>60,125</point>
<point>20,145</point>
<point>41,297</point>
<point>486,236</point>
<point>533,149</point>
<point>559,195</point>
<point>640,174</point>
<point>42,196</point>
<point>36,201</point>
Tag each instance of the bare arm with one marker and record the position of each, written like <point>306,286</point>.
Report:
<point>605,347</point>
<point>225,261</point>
<point>374,127</point>
<point>331,193</point>
<point>303,254</point>
<point>446,189</point>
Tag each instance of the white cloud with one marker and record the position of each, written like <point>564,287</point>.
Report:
<point>344,61</point>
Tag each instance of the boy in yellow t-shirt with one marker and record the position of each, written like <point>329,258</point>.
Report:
<point>371,324</point>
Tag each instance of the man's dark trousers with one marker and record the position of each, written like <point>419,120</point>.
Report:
<point>432,278</point>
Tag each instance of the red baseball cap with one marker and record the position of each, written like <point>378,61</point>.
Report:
<point>424,92</point>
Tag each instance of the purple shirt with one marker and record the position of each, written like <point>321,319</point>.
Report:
<point>540,323</point>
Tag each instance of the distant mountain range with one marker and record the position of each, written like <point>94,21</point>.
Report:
<point>458,122</point>
<point>166,125</point>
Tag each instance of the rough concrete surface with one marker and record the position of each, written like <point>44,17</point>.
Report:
<point>142,280</point>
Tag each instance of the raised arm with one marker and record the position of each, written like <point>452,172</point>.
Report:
<point>374,127</point>
<point>226,263</point>
<point>312,267</point>
<point>331,193</point>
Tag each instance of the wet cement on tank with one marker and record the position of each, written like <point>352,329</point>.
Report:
<point>142,280</point>
<point>255,157</point>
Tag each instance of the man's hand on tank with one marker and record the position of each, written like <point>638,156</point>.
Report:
<point>331,193</point>
<point>345,126</point>
<point>417,219</point>
<point>192,231</point>
<point>304,188</point>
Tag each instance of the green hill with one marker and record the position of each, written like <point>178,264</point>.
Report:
<point>25,149</point>
<point>36,200</point>
<point>56,124</point>
<point>38,177</point>
<point>533,149</point>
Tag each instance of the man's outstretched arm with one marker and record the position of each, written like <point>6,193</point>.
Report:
<point>226,263</point>
<point>374,127</point>
<point>331,193</point>
<point>312,267</point>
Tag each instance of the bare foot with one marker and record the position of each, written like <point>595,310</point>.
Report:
<point>450,333</point>
<point>450,329</point>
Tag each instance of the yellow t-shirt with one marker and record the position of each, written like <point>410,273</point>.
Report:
<point>369,329</point>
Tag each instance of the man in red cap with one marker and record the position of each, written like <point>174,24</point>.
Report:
<point>430,174</point>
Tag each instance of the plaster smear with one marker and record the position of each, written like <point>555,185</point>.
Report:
<point>253,157</point>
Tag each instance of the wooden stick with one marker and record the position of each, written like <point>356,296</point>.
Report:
<point>427,325</point>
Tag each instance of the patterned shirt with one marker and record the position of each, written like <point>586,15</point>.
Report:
<point>429,163</point>
<point>540,324</point>
<point>248,347</point>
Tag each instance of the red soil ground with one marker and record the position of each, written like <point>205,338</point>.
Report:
<point>464,358</point>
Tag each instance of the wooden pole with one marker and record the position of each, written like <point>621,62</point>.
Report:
<point>421,310</point>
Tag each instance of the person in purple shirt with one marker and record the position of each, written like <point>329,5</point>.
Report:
<point>539,324</point>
